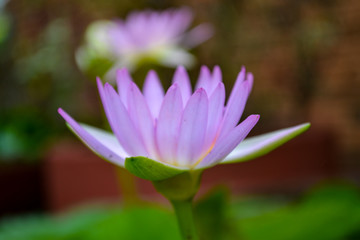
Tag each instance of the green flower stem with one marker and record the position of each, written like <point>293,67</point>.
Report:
<point>184,214</point>
<point>180,191</point>
<point>127,184</point>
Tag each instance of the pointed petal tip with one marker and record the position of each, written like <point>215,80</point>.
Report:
<point>64,115</point>
<point>255,116</point>
<point>60,111</point>
<point>305,126</point>
<point>152,72</point>
<point>200,91</point>
<point>121,70</point>
<point>249,75</point>
<point>132,86</point>
<point>250,78</point>
<point>107,85</point>
<point>173,87</point>
<point>217,68</point>
<point>99,83</point>
<point>122,74</point>
<point>204,68</point>
<point>241,76</point>
<point>220,85</point>
<point>118,72</point>
<point>180,68</point>
<point>109,88</point>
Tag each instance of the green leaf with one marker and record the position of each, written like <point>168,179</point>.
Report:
<point>330,213</point>
<point>254,147</point>
<point>149,169</point>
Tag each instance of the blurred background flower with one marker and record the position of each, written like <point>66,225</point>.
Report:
<point>144,37</point>
<point>304,56</point>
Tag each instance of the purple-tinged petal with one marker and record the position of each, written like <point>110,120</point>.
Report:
<point>215,79</point>
<point>257,146</point>
<point>119,38</point>
<point>122,125</point>
<point>193,128</point>
<point>234,107</point>
<point>181,77</point>
<point>179,21</point>
<point>168,123</point>
<point>204,79</point>
<point>142,118</point>
<point>239,80</point>
<point>153,92</point>
<point>102,95</point>
<point>123,81</point>
<point>101,142</point>
<point>209,81</point>
<point>226,144</point>
<point>250,79</point>
<point>183,17</point>
<point>216,108</point>
<point>216,74</point>
<point>198,35</point>
<point>108,138</point>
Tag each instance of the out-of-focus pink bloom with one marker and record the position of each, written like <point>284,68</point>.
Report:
<point>155,36</point>
<point>180,128</point>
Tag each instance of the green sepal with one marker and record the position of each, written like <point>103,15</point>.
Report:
<point>182,187</point>
<point>149,169</point>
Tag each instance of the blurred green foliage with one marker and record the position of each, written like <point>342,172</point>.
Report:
<point>327,213</point>
<point>93,224</point>
<point>38,81</point>
<point>23,135</point>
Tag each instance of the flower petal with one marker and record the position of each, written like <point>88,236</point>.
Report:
<point>123,81</point>
<point>226,144</point>
<point>108,138</point>
<point>193,128</point>
<point>100,142</point>
<point>181,77</point>
<point>250,79</point>
<point>204,79</point>
<point>257,146</point>
<point>216,108</point>
<point>209,81</point>
<point>235,105</point>
<point>122,125</point>
<point>142,118</point>
<point>197,35</point>
<point>167,127</point>
<point>216,75</point>
<point>153,92</point>
<point>102,95</point>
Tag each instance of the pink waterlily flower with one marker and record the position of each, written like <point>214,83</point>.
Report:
<point>180,129</point>
<point>161,37</point>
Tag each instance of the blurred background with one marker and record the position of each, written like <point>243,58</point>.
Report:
<point>305,59</point>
